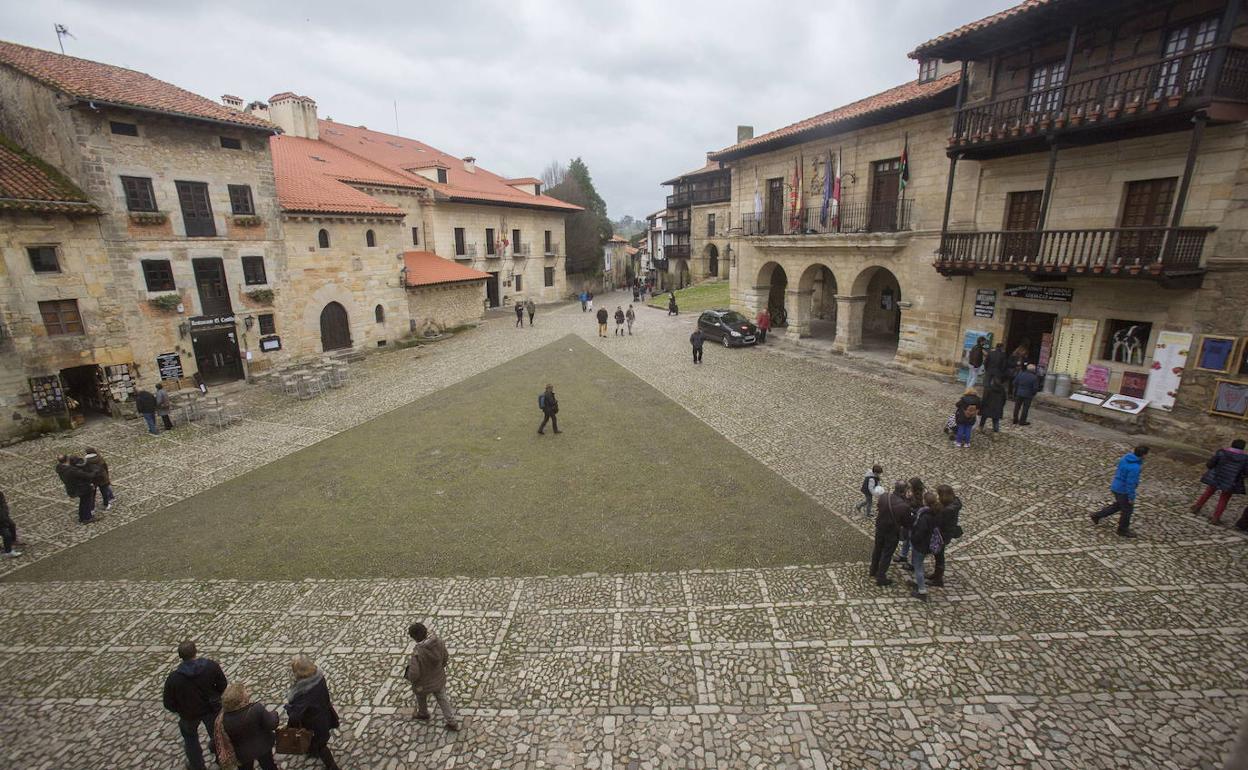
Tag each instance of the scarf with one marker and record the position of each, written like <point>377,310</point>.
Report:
<point>225,749</point>
<point>303,686</point>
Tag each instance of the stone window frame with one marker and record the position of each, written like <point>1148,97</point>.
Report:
<point>370,239</point>
<point>491,245</point>
<point>710,225</point>
<point>42,248</point>
<point>231,143</point>
<point>158,275</point>
<point>123,128</point>
<point>548,276</point>
<point>139,192</point>
<point>254,273</point>
<point>415,236</point>
<point>61,317</point>
<point>460,237</point>
<point>267,323</point>
<point>379,314</point>
<point>517,282</point>
<point>322,238</point>
<point>241,202</point>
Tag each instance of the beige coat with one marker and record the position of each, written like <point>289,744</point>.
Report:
<point>426,668</point>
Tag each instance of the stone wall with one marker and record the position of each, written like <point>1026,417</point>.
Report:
<point>446,306</point>
<point>700,241</point>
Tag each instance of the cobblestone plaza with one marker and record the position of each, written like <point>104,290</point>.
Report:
<point>1053,644</point>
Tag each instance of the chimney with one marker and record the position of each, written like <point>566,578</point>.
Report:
<point>296,115</point>
<point>231,101</point>
<point>744,133</point>
<point>470,164</point>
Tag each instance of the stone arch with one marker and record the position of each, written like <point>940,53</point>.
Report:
<point>815,305</point>
<point>370,238</point>
<point>322,238</point>
<point>771,288</point>
<point>678,272</point>
<point>335,327</point>
<point>712,260</point>
<point>881,297</point>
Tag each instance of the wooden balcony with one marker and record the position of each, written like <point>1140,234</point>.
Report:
<point>466,251</point>
<point>677,225</point>
<point>1152,98</point>
<point>715,194</point>
<point>676,251</point>
<point>1172,255</point>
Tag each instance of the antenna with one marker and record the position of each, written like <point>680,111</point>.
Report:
<point>62,32</point>
<point>396,116</point>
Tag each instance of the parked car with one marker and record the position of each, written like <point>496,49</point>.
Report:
<point>728,326</point>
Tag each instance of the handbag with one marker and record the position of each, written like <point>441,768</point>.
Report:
<point>293,740</point>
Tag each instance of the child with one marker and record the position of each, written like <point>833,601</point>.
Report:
<point>871,489</point>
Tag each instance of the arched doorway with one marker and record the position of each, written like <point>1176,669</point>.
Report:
<point>773,279</point>
<point>881,313</point>
<point>817,290</point>
<point>678,273</point>
<point>712,261</point>
<point>335,329</point>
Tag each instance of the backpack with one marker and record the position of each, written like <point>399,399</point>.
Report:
<point>937,542</point>
<point>541,401</point>
<point>864,489</point>
<point>976,357</point>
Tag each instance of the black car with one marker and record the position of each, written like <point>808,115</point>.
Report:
<point>728,326</point>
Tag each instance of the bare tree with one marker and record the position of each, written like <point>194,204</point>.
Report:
<point>553,174</point>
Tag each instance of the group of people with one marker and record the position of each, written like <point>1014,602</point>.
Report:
<point>623,318</point>
<point>923,521</point>
<point>1225,473</point>
<point>244,733</point>
<point>525,307</point>
<point>82,476</point>
<point>149,405</point>
<point>1004,376</point>
<point>587,301</point>
<point>640,289</point>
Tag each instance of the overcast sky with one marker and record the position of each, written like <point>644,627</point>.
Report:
<point>640,89</point>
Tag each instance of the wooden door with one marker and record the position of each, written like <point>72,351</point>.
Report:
<point>1022,217</point>
<point>775,208</point>
<point>214,292</point>
<point>1145,211</point>
<point>885,183</point>
<point>216,355</point>
<point>335,328</point>
<point>196,209</point>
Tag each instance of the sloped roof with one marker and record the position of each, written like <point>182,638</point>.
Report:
<point>109,85</point>
<point>399,153</point>
<point>314,177</point>
<point>1023,13</point>
<point>710,167</point>
<point>29,184</point>
<point>880,108</point>
<point>424,268</point>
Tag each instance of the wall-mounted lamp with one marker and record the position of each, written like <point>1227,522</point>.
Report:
<point>184,329</point>
<point>249,322</point>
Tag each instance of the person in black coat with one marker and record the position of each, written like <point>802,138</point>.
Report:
<point>892,515</point>
<point>1026,386</point>
<point>249,728</point>
<point>80,483</point>
<point>992,406</point>
<point>950,529</point>
<point>1225,475</point>
<point>193,691</point>
<point>996,363</point>
<point>696,340</point>
<point>145,405</point>
<point>8,530</point>
<point>550,410</point>
<point>308,706</point>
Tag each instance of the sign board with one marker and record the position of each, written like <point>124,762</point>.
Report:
<point>1120,403</point>
<point>1096,377</point>
<point>212,322</point>
<point>170,366</point>
<point>1074,346</point>
<point>1134,384</point>
<point>1169,359</point>
<point>270,343</point>
<point>985,303</point>
<point>1048,293</point>
<point>1095,398</point>
<point>49,396</point>
<point>1230,399</point>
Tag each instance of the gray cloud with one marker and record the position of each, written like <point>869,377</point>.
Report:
<point>640,90</point>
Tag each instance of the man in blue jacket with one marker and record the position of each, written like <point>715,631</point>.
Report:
<point>1126,480</point>
<point>1026,386</point>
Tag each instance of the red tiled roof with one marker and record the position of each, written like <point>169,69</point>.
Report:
<point>904,94</point>
<point>312,177</point>
<point>29,184</point>
<point>524,180</point>
<point>399,154</point>
<point>1022,9</point>
<point>711,166</point>
<point>424,268</point>
<point>105,84</point>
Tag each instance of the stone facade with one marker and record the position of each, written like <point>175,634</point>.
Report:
<point>445,306</point>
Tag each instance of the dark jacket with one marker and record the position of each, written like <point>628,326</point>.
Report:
<point>1127,476</point>
<point>79,480</point>
<point>696,339</point>
<point>602,315</point>
<point>60,472</point>
<point>619,316</point>
<point>145,402</point>
<point>550,404</point>
<point>1226,470</point>
<point>193,690</point>
<point>892,513</point>
<point>993,404</point>
<point>99,467</point>
<point>996,362</point>
<point>251,731</point>
<point>921,530</point>
<point>5,519</point>
<point>960,414</point>
<point>311,709</point>
<point>519,309</point>
<point>1026,384</point>
<point>947,519</point>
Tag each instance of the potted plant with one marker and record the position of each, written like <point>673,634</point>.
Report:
<point>1152,104</point>
<point>1060,122</point>
<point>1115,108</point>
<point>1046,122</point>
<point>1030,126</point>
<point>1015,129</point>
<point>248,220</point>
<point>148,217</point>
<point>1174,99</point>
<point>1076,117</point>
<point>166,303</point>
<point>261,296</point>
<point>1133,106</point>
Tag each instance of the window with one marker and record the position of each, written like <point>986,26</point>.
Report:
<point>461,248</point>
<point>370,239</point>
<point>537,189</point>
<point>322,239</point>
<point>196,209</point>
<point>1126,341</point>
<point>516,248</point>
<point>139,193</point>
<point>267,326</point>
<point>442,175</point>
<point>710,225</point>
<point>489,240</point>
<point>379,313</point>
<point>549,246</point>
<point>415,236</point>
<point>123,129</point>
<point>519,283</point>
<point>43,259</point>
<point>253,271</point>
<point>1043,88</point>
<point>240,200</point>
<point>230,143</point>
<point>927,70</point>
<point>1191,37</point>
<point>60,316</point>
<point>158,275</point>
<point>548,276</point>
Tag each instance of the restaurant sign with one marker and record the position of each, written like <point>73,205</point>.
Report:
<point>201,322</point>
<point>1050,293</point>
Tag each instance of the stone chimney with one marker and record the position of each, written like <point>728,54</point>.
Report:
<point>296,115</point>
<point>470,164</point>
<point>233,102</point>
<point>744,133</point>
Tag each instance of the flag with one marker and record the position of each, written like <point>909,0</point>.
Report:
<point>827,191</point>
<point>904,177</point>
<point>795,199</point>
<point>836,195</point>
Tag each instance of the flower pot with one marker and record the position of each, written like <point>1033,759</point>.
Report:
<point>1111,113</point>
<point>1173,100</point>
<point>1152,104</point>
<point>1132,108</point>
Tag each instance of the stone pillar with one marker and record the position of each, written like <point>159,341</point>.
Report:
<point>849,311</point>
<point>797,303</point>
<point>755,298</point>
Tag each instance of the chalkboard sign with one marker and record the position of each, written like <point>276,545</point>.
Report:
<point>170,366</point>
<point>985,303</point>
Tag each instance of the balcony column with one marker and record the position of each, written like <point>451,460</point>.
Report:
<point>797,303</point>
<point>849,313</point>
<point>1185,184</point>
<point>755,298</point>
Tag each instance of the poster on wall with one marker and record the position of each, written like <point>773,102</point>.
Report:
<point>1134,384</point>
<point>1046,350</point>
<point>985,303</point>
<point>1242,369</point>
<point>1096,377</point>
<point>969,338</point>
<point>169,365</point>
<point>1120,403</point>
<point>1230,399</point>
<point>1074,346</point>
<point>1215,353</point>
<point>1169,359</point>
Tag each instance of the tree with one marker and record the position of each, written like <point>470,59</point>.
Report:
<point>586,230</point>
<point>553,174</point>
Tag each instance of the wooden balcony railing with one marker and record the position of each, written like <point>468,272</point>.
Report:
<point>853,217</point>
<point>677,225</point>
<point>1108,251</point>
<point>1163,87</point>
<point>715,194</point>
<point>521,249</point>
<point>676,251</point>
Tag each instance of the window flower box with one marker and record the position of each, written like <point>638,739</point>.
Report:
<point>261,296</point>
<point>247,220</point>
<point>149,217</point>
<point>166,303</point>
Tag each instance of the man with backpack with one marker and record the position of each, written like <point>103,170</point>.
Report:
<point>550,407</point>
<point>975,362</point>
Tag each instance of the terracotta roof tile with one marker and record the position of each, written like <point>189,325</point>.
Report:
<point>906,93</point>
<point>424,268</point>
<point>1022,9</point>
<point>29,184</point>
<point>399,154</point>
<point>710,167</point>
<point>106,84</point>
<point>312,176</point>
<point>524,180</point>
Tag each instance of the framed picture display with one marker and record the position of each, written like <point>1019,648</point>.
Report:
<point>1215,354</point>
<point>1230,399</point>
<point>1242,369</point>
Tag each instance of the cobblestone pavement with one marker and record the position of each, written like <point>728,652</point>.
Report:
<point>1054,644</point>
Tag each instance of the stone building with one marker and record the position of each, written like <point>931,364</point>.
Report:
<point>1100,198</point>
<point>697,225</point>
<point>656,234</point>
<point>155,284</point>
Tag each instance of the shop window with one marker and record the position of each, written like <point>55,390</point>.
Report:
<point>43,259</point>
<point>548,276</point>
<point>158,275</point>
<point>267,326</point>
<point>253,271</point>
<point>230,143</point>
<point>370,239</point>
<point>379,313</point>
<point>322,239</point>
<point>1126,341</point>
<point>139,193</point>
<point>241,203</point>
<point>123,129</point>
<point>60,316</point>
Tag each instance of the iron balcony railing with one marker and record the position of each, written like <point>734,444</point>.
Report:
<point>521,249</point>
<point>1162,87</point>
<point>855,217</point>
<point>465,251</point>
<point>1097,250</point>
<point>676,251</point>
<point>678,225</point>
<point>551,249</point>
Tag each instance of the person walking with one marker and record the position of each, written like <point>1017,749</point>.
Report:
<point>1225,475</point>
<point>550,409</point>
<point>619,321</point>
<point>671,304</point>
<point>915,490</point>
<point>145,405</point>
<point>1016,363</point>
<point>1126,481</point>
<point>697,339</point>
<point>194,691</point>
<point>975,362</point>
<point>892,513</point>
<point>950,529</point>
<point>80,483</point>
<point>62,464</point>
<point>1026,386</point>
<point>993,404</point>
<point>426,672</point>
<point>629,317</point>
<point>870,489</point>
<point>103,481</point>
<point>308,706</point>
<point>602,322</point>
<point>591,301</point>
<point>763,322</point>
<point>966,410</point>
<point>249,727</point>
<point>921,532</point>
<point>520,315</point>
<point>531,309</point>
<point>162,406</point>
<point>8,530</point>
<point>584,301</point>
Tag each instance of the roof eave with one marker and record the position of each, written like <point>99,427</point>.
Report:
<point>444,283</point>
<point>342,213</point>
<point>57,207</point>
<point>270,129</point>
<point>567,208</point>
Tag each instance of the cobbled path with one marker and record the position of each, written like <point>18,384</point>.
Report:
<point>1054,644</point>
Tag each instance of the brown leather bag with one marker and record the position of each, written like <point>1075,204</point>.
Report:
<point>293,740</point>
